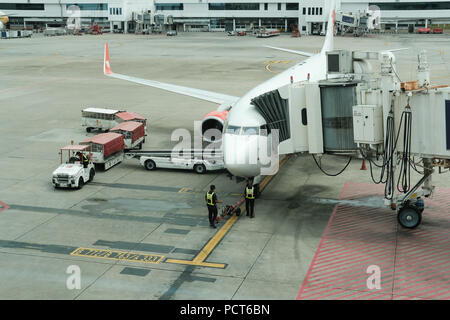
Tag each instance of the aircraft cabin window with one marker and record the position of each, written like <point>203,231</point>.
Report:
<point>250,131</point>
<point>233,129</point>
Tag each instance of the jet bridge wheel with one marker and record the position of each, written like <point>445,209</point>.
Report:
<point>409,217</point>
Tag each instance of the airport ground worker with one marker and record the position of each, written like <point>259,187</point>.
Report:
<point>249,195</point>
<point>211,203</point>
<point>83,159</point>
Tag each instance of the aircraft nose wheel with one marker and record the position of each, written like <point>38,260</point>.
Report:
<point>409,217</point>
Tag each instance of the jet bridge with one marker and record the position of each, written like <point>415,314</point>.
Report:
<point>396,126</point>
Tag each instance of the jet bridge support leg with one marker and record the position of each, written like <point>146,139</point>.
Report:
<point>411,205</point>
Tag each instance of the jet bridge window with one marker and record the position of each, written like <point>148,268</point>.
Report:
<point>304,117</point>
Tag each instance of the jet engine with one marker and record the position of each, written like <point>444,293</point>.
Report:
<point>3,20</point>
<point>212,125</point>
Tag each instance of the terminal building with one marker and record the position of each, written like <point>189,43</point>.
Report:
<point>221,15</point>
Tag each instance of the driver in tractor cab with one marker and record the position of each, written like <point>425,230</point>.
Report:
<point>83,159</point>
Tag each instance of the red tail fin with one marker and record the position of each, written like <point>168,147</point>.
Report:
<point>106,63</point>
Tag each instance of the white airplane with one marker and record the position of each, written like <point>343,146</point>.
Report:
<point>238,117</point>
<point>3,20</point>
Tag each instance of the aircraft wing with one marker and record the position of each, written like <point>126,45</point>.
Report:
<point>395,50</point>
<point>302,53</point>
<point>196,93</point>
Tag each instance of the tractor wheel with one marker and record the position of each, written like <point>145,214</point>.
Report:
<point>80,183</point>
<point>91,174</point>
<point>150,165</point>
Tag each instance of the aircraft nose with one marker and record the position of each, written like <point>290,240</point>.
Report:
<point>241,155</point>
<point>243,170</point>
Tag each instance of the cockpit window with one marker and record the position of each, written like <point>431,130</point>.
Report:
<point>233,129</point>
<point>250,131</point>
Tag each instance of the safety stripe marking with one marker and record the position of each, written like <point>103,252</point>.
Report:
<point>414,263</point>
<point>269,63</point>
<point>184,190</point>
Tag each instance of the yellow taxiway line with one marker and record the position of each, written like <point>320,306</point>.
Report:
<point>271,62</point>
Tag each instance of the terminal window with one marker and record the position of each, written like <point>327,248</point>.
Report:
<point>169,6</point>
<point>115,11</point>
<point>292,6</point>
<point>89,6</point>
<point>424,5</point>
<point>22,6</point>
<point>234,6</point>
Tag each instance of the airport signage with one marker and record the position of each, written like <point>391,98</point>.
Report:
<point>117,255</point>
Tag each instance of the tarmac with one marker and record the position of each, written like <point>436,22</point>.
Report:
<point>136,234</point>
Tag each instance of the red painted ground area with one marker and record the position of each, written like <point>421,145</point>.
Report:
<point>414,264</point>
